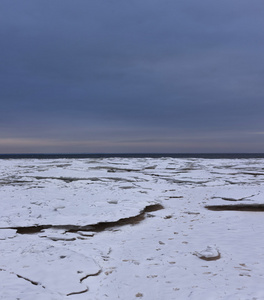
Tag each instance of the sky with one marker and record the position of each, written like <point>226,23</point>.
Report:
<point>119,76</point>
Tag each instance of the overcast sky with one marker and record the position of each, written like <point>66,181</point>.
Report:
<point>131,76</point>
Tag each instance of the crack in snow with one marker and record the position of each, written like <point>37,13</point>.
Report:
<point>254,207</point>
<point>25,278</point>
<point>29,280</point>
<point>98,227</point>
<point>89,275</point>
<point>77,293</point>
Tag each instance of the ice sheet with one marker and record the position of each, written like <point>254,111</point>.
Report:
<point>79,228</point>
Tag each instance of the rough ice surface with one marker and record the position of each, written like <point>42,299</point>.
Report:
<point>92,229</point>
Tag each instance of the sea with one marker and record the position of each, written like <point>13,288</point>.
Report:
<point>131,155</point>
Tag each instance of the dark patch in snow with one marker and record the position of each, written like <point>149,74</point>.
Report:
<point>234,199</point>
<point>65,179</point>
<point>153,207</point>
<point>126,187</point>
<point>210,258</point>
<point>14,182</point>
<point>253,174</point>
<point>98,227</point>
<point>77,293</point>
<point>31,229</point>
<point>95,274</point>
<point>127,221</point>
<point>150,167</point>
<point>27,279</point>
<point>55,239</point>
<point>237,207</point>
<point>114,169</point>
<point>72,179</point>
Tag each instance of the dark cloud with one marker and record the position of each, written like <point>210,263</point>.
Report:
<point>113,71</point>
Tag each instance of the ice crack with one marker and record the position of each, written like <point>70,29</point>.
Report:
<point>98,227</point>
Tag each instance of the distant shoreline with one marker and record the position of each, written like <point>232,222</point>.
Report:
<point>131,155</point>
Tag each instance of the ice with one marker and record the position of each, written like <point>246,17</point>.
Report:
<point>131,228</point>
<point>7,234</point>
<point>210,253</point>
<point>52,267</point>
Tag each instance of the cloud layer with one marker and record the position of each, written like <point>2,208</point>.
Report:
<point>140,76</point>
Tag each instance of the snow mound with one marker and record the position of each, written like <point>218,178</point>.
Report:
<point>210,253</point>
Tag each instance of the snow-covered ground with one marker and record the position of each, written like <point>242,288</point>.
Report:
<point>132,228</point>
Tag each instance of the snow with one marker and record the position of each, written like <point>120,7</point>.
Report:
<point>61,236</point>
<point>210,253</point>
<point>7,233</point>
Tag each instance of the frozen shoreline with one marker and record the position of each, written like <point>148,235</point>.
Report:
<point>166,254</point>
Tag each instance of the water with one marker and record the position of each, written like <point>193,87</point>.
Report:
<point>134,155</point>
